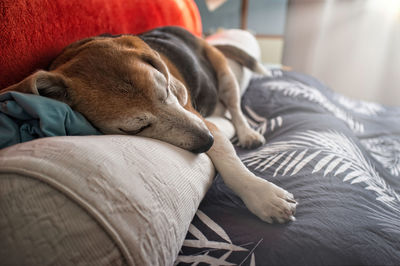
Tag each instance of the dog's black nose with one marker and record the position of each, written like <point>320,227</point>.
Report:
<point>206,141</point>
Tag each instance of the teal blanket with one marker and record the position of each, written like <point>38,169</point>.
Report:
<point>24,117</point>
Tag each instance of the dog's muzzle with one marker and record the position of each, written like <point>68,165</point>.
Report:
<point>206,140</point>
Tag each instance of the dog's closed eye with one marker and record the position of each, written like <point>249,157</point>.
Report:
<point>128,82</point>
<point>136,131</point>
<point>151,62</point>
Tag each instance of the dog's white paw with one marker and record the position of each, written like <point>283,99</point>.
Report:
<point>269,202</point>
<point>249,138</point>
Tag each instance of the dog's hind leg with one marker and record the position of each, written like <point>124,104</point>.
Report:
<point>229,95</point>
<point>266,200</point>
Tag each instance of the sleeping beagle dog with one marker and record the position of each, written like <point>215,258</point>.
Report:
<point>162,84</point>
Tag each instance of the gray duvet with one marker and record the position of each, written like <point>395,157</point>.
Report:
<point>341,160</point>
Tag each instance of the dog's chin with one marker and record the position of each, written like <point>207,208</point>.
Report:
<point>203,140</point>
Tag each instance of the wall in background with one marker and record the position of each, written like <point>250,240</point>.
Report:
<point>353,46</point>
<point>226,16</point>
<point>266,19</point>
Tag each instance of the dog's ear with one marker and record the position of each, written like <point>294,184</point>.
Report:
<point>43,83</point>
<point>179,90</point>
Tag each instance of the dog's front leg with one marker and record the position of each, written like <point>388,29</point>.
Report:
<point>266,200</point>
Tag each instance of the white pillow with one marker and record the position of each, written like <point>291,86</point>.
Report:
<point>140,193</point>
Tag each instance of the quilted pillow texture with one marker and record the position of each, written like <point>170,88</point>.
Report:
<point>33,32</point>
<point>98,200</point>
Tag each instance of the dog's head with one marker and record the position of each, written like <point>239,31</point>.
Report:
<point>122,86</point>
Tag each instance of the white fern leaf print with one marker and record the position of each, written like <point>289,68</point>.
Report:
<point>267,162</point>
<point>332,165</point>
<point>330,152</point>
<point>324,161</point>
<point>304,162</point>
<point>296,160</point>
<point>361,107</point>
<point>214,226</point>
<point>342,168</point>
<point>284,163</point>
<point>277,73</point>
<point>201,241</point>
<point>261,124</point>
<point>203,258</point>
<point>297,89</point>
<point>386,150</point>
<point>272,162</point>
<point>253,260</point>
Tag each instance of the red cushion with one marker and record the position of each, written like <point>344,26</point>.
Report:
<point>33,32</point>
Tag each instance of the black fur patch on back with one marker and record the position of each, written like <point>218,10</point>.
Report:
<point>184,51</point>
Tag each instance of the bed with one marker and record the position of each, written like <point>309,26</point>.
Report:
<point>340,158</point>
<point>87,199</point>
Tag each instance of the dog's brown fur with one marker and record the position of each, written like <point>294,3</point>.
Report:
<point>123,86</point>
